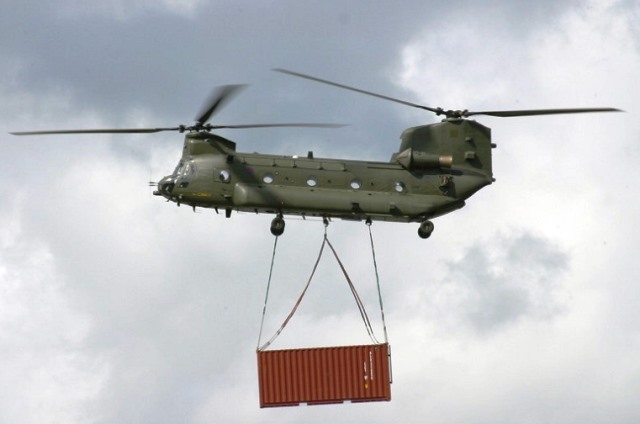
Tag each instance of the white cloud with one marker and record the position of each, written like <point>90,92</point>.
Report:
<point>552,186</point>
<point>44,361</point>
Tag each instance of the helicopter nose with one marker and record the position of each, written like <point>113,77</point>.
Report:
<point>165,186</point>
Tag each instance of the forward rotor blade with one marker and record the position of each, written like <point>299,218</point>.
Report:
<point>98,131</point>
<point>285,125</point>
<point>181,129</point>
<point>533,112</point>
<point>357,90</point>
<point>217,99</point>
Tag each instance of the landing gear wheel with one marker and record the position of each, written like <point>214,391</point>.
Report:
<point>277,226</point>
<point>425,229</point>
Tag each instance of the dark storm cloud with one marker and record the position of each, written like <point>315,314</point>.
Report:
<point>112,62</point>
<point>166,62</point>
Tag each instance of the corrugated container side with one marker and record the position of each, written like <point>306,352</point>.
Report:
<point>324,375</point>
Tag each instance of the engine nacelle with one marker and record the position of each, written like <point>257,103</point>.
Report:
<point>415,159</point>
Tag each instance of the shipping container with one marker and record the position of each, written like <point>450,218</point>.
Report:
<point>324,375</point>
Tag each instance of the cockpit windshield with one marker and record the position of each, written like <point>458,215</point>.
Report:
<point>184,168</point>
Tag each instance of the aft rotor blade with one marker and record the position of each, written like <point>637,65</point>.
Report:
<point>357,90</point>
<point>98,131</point>
<point>217,99</point>
<point>534,112</point>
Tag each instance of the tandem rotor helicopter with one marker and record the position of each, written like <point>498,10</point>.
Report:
<point>436,168</point>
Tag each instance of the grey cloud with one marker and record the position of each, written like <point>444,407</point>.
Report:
<point>519,278</point>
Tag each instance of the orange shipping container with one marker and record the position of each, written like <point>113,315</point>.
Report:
<point>324,375</point>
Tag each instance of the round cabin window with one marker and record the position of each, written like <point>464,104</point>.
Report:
<point>355,184</point>
<point>312,181</point>
<point>399,187</point>
<point>268,178</point>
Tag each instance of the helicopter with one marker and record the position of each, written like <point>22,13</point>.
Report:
<point>436,169</point>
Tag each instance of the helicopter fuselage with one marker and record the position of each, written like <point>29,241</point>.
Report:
<point>437,168</point>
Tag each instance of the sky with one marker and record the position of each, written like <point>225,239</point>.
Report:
<point>116,306</point>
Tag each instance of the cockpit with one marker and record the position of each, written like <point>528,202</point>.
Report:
<point>181,176</point>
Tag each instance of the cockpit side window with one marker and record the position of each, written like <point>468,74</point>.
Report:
<point>178,169</point>
<point>189,168</point>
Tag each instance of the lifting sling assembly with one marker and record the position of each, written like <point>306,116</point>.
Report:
<point>326,374</point>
